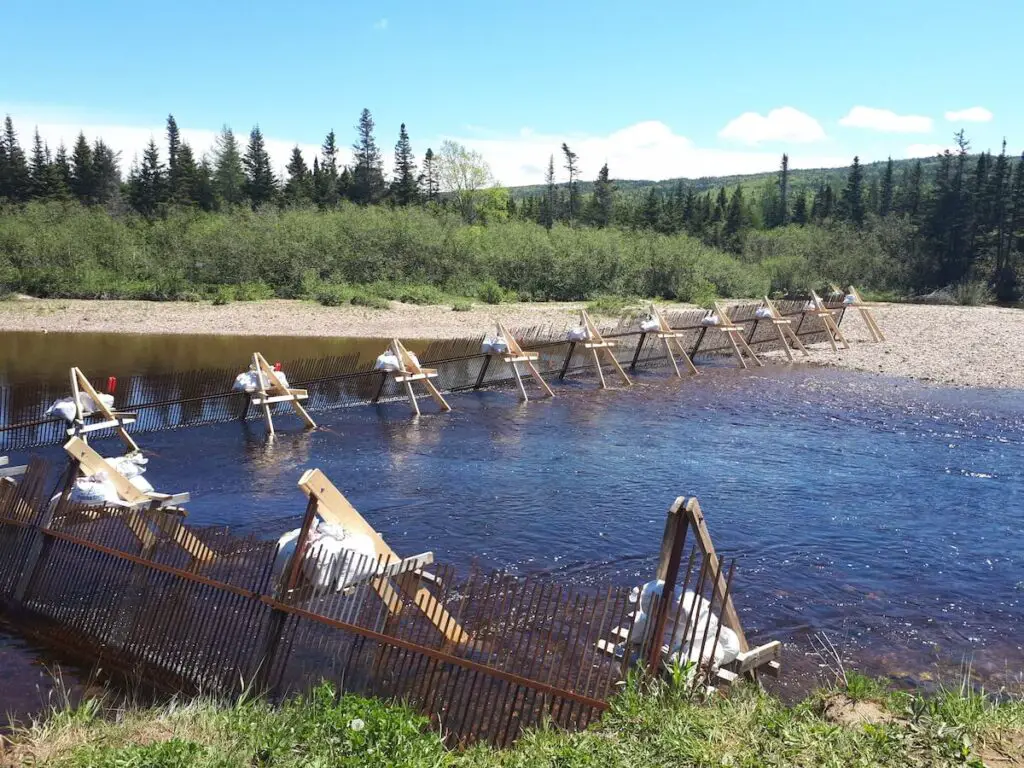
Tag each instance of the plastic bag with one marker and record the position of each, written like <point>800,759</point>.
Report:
<point>763,313</point>
<point>578,334</point>
<point>810,306</point>
<point>494,345</point>
<point>849,299</point>
<point>132,465</point>
<point>335,557</point>
<point>650,326</point>
<point>246,382</point>
<point>387,362</point>
<point>709,319</point>
<point>65,407</point>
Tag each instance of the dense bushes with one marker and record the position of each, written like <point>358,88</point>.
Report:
<point>411,255</point>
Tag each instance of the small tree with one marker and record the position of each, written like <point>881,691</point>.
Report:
<point>298,190</point>
<point>228,176</point>
<point>428,179</point>
<point>463,174</point>
<point>368,172</point>
<point>260,184</point>
<point>572,168</point>
<point>404,185</point>
<point>853,194</point>
<point>603,199</point>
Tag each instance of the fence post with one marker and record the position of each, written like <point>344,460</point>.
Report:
<point>40,542</point>
<point>700,338</point>
<point>668,570</point>
<point>639,346</point>
<point>568,357</point>
<point>483,372</point>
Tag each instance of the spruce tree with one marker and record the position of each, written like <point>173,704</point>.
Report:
<point>260,184</point>
<point>404,184</point>
<point>721,206</point>
<point>205,193</point>
<point>735,220</point>
<point>83,180</point>
<point>886,194</point>
<point>910,191</point>
<point>1015,228</point>
<point>228,176</point>
<point>326,190</point>
<point>61,173</point>
<point>782,217</point>
<point>572,168</point>
<point>428,179</point>
<point>298,189</point>
<point>853,194</point>
<point>549,204</point>
<point>186,185</point>
<point>147,182</point>
<point>368,169</point>
<point>106,171</point>
<point>16,183</point>
<point>651,210</point>
<point>176,177</point>
<point>800,209</point>
<point>40,174</point>
<point>604,192</point>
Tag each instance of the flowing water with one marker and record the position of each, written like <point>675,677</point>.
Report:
<point>887,514</point>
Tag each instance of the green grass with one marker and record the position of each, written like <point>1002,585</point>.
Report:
<point>646,726</point>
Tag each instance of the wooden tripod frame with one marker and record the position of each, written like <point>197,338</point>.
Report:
<point>515,356</point>
<point>270,389</point>
<point>595,342</point>
<point>111,419</point>
<point>865,312</point>
<point>668,337</point>
<point>331,505</point>
<point>735,335</point>
<point>412,371</point>
<point>784,328</point>
<point>142,508</point>
<point>831,326</point>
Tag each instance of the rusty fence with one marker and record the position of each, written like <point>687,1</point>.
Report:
<point>536,649</point>
<point>190,398</point>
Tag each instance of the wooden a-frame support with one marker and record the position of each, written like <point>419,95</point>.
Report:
<point>142,508</point>
<point>596,342</point>
<point>784,328</point>
<point>515,356</point>
<point>668,337</point>
<point>735,335</point>
<point>270,389</point>
<point>412,371</point>
<point>111,419</point>
<point>332,507</point>
<point>683,516</point>
<point>864,307</point>
<point>831,326</point>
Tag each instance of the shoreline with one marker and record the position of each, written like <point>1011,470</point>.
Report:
<point>944,345</point>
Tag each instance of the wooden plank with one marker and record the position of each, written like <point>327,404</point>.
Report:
<point>79,380</point>
<point>92,463</point>
<point>753,658</point>
<point>278,389</point>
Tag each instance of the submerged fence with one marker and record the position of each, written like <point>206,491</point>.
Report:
<point>85,580</point>
<point>191,398</point>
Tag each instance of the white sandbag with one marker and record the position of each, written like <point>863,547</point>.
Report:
<point>494,345</point>
<point>578,334</point>
<point>650,326</point>
<point>130,466</point>
<point>709,319</point>
<point>849,299</point>
<point>65,407</point>
<point>94,489</point>
<point>387,362</point>
<point>141,483</point>
<point>247,382</point>
<point>335,557</point>
<point>763,313</point>
<point>810,306</point>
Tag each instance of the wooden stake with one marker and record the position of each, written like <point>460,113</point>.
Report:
<point>596,342</point>
<point>668,336</point>
<point>866,315</point>
<point>734,334</point>
<point>517,355</point>
<point>111,418</point>
<point>412,371</point>
<point>271,389</point>
<point>820,310</point>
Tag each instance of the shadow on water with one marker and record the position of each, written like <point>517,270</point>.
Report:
<point>882,512</point>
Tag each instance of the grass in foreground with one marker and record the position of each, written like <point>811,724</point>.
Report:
<point>864,725</point>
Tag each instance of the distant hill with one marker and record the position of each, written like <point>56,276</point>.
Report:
<point>809,179</point>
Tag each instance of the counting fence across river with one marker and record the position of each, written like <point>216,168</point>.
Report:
<point>190,398</point>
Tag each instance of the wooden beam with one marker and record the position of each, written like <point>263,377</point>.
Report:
<point>78,383</point>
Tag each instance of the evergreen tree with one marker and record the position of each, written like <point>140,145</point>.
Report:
<point>83,180</point>
<point>852,202</point>
<point>260,184</point>
<point>885,197</point>
<point>1015,226</point>
<point>721,206</point>
<point>604,193</point>
<point>650,211</point>
<point>782,217</point>
<point>40,174</point>
<point>325,174</point>
<point>106,172</point>
<point>228,177</point>
<point>910,192</point>
<point>997,227</point>
<point>549,205</point>
<point>185,186</point>
<point>735,220</point>
<point>572,168</point>
<point>428,179</point>
<point>147,182</point>
<point>179,180</point>
<point>873,201</point>
<point>205,191</point>
<point>61,173</point>
<point>800,209</point>
<point>298,190</point>
<point>345,184</point>
<point>16,182</point>
<point>368,170</point>
<point>404,184</point>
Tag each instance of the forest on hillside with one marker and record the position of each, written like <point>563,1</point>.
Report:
<point>177,226</point>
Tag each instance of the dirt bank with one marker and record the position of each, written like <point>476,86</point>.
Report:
<point>964,346</point>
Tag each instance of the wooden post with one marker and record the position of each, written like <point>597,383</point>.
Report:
<point>784,326</point>
<point>111,418</point>
<point>595,342</point>
<point>866,315</point>
<point>735,335</point>
<point>668,571</point>
<point>669,337</point>
<point>412,371</point>
<point>517,355</point>
<point>271,389</point>
<point>832,330</point>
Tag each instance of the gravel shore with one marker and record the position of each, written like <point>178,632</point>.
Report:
<point>960,346</point>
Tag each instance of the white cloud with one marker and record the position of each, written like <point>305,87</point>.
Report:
<point>927,150</point>
<point>782,124</point>
<point>380,24</point>
<point>970,115</point>
<point>886,121</point>
<point>130,140</point>
<point>647,150</point>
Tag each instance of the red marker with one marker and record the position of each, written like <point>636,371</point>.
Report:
<point>111,384</point>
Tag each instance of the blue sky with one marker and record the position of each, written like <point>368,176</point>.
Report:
<point>657,89</point>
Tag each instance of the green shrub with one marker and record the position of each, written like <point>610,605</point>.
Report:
<point>225,294</point>
<point>609,305</point>
<point>257,291</point>
<point>333,295</point>
<point>462,306</point>
<point>419,294</point>
<point>973,294</point>
<point>491,293</point>
<point>363,299</point>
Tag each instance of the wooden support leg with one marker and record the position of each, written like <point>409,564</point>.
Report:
<point>268,418</point>
<point>303,414</point>
<point>519,382</point>
<point>540,379</point>
<point>412,397</point>
<point>672,357</point>
<point>785,344</point>
<point>436,394</point>
<point>185,539</point>
<point>615,363</point>
<point>686,357</point>
<point>828,333</point>
<point>796,340</point>
<point>743,343</point>
<point>597,364</point>
<point>736,349</point>
<point>837,332</point>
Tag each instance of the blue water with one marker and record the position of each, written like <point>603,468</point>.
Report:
<point>887,514</point>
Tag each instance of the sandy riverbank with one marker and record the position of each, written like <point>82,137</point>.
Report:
<point>963,346</point>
